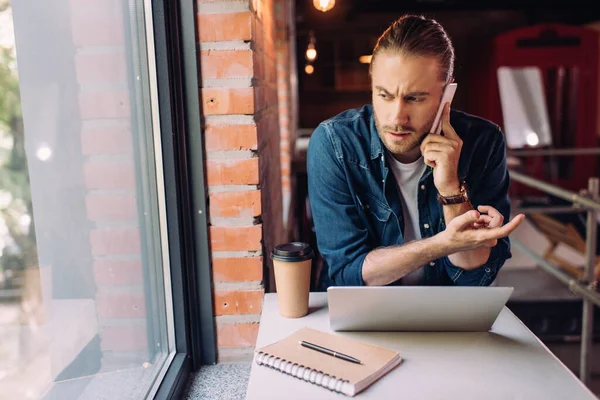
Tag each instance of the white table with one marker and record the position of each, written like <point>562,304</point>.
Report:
<point>509,362</point>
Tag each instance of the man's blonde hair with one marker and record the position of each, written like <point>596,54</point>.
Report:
<point>416,35</point>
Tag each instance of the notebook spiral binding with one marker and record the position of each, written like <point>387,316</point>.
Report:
<point>308,374</point>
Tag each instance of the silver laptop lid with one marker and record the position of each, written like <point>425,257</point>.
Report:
<point>415,308</point>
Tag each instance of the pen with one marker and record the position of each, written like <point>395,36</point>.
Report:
<point>329,352</point>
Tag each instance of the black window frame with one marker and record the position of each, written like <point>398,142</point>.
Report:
<point>182,146</point>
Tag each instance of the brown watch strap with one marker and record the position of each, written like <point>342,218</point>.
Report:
<point>460,198</point>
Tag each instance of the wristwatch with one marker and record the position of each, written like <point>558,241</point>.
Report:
<point>460,198</point>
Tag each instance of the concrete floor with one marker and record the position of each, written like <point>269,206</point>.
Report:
<point>221,381</point>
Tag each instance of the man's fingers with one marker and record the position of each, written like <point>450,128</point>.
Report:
<point>498,218</point>
<point>436,139</point>
<point>489,210</point>
<point>484,219</point>
<point>447,129</point>
<point>438,146</point>
<point>466,219</point>
<point>503,231</point>
<point>430,139</point>
<point>430,157</point>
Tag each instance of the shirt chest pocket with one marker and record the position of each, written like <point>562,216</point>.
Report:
<point>377,215</point>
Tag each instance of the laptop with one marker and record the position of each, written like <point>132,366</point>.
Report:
<point>415,308</point>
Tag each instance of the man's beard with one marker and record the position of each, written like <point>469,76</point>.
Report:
<point>404,146</point>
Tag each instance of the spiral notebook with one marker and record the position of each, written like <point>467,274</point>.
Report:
<point>288,356</point>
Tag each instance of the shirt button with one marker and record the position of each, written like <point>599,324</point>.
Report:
<point>426,226</point>
<point>432,263</point>
<point>487,270</point>
<point>422,187</point>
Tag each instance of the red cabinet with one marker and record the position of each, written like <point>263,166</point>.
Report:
<point>568,58</point>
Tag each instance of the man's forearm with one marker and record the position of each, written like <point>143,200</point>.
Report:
<point>388,264</point>
<point>470,259</point>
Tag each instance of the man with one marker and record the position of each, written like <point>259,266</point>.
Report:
<point>394,204</point>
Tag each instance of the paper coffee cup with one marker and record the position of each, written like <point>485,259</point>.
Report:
<point>292,264</point>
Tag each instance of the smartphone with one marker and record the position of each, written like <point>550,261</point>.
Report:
<point>446,98</point>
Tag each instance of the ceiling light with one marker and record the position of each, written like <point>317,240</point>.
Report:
<point>365,59</point>
<point>532,138</point>
<point>311,52</point>
<point>324,5</point>
<point>309,69</point>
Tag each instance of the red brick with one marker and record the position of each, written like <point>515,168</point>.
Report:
<point>236,238</point>
<point>109,175</point>
<point>101,68</point>
<point>233,302</point>
<point>124,338</point>
<point>237,269</point>
<point>220,101</point>
<point>231,137</point>
<point>111,207</point>
<point>237,335</point>
<point>114,241</point>
<point>97,30</point>
<point>225,27</point>
<point>285,158</point>
<point>226,63</point>
<point>104,105</point>
<point>232,172</point>
<point>121,305</point>
<point>115,273</point>
<point>235,204</point>
<point>107,140</point>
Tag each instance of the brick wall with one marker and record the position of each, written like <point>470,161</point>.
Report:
<point>110,180</point>
<point>238,59</point>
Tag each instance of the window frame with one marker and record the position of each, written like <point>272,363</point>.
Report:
<point>183,161</point>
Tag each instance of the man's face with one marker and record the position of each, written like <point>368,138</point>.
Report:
<point>406,95</point>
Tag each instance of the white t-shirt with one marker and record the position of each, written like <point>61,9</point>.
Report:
<point>407,177</point>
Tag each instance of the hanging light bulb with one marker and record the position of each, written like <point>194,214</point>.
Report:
<point>309,69</point>
<point>324,5</point>
<point>311,51</point>
<point>366,59</point>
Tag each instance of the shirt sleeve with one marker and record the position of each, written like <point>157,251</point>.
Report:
<point>492,191</point>
<point>342,237</point>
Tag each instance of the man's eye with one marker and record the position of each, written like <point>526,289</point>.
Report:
<point>414,99</point>
<point>384,96</point>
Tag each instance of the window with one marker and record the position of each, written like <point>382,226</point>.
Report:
<point>86,292</point>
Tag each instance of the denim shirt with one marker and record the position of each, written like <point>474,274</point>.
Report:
<point>356,204</point>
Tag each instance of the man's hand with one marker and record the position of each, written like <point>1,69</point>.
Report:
<point>489,217</point>
<point>472,230</point>
<point>442,154</point>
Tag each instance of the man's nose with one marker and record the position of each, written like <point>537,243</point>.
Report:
<point>401,115</point>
